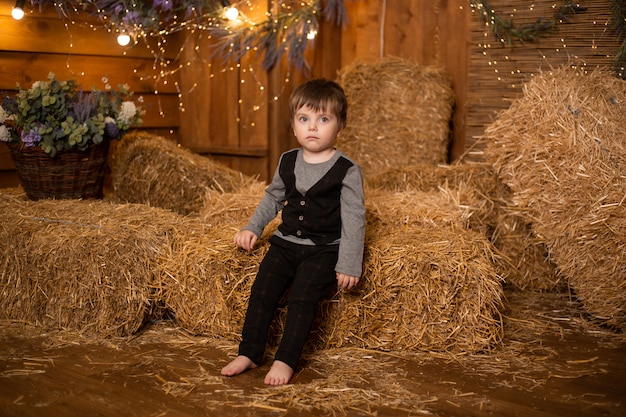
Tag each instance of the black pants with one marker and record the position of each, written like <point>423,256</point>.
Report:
<point>309,274</point>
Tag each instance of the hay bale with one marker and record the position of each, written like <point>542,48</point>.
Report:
<point>399,114</point>
<point>207,284</point>
<point>90,266</point>
<point>397,209</point>
<point>561,149</point>
<point>421,256</point>
<point>524,261</point>
<point>152,170</point>
<point>232,208</point>
<point>427,177</point>
<point>105,268</point>
<point>429,283</point>
<point>424,288</point>
<point>475,185</point>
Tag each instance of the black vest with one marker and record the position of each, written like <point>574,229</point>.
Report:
<point>317,215</point>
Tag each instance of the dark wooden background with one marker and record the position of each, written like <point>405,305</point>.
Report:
<point>237,112</point>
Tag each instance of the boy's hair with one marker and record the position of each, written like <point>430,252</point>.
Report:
<point>320,95</point>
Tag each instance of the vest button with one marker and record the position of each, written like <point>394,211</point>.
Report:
<point>299,233</point>
<point>302,202</point>
<point>301,217</point>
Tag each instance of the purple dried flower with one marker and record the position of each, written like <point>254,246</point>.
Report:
<point>83,107</point>
<point>132,18</point>
<point>31,138</point>
<point>164,5</point>
<point>110,128</point>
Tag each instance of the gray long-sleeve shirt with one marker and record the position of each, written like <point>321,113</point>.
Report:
<point>351,242</point>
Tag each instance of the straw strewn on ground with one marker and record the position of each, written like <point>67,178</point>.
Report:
<point>152,170</point>
<point>399,114</point>
<point>561,149</point>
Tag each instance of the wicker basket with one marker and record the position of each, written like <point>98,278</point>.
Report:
<point>70,174</point>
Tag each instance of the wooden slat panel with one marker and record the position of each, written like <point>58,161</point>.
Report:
<point>233,151</point>
<point>26,67</point>
<point>455,42</point>
<point>224,116</point>
<point>161,111</point>
<point>361,40</point>
<point>254,104</point>
<point>248,166</point>
<point>5,158</point>
<point>411,27</point>
<point>195,87</point>
<point>326,53</point>
<point>52,36</point>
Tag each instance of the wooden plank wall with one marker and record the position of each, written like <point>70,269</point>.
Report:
<point>238,112</point>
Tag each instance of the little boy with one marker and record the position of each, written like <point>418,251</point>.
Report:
<point>320,241</point>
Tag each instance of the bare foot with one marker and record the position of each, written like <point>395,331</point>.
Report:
<point>279,374</point>
<point>238,365</point>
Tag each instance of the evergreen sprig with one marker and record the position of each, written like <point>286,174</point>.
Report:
<point>507,32</point>
<point>284,33</point>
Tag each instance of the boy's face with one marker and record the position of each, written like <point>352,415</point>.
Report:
<point>316,131</point>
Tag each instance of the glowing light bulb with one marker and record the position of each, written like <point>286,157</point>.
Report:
<point>17,13</point>
<point>311,35</point>
<point>123,39</point>
<point>231,13</point>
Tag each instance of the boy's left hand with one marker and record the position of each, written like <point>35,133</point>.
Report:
<point>346,282</point>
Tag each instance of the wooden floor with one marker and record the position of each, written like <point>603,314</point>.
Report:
<point>554,362</point>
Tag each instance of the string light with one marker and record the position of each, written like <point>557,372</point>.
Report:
<point>289,25</point>
<point>123,39</point>
<point>18,11</point>
<point>231,13</point>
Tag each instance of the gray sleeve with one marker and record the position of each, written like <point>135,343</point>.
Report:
<point>270,205</point>
<point>352,241</point>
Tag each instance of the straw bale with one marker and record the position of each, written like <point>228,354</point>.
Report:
<point>561,149</point>
<point>399,114</point>
<point>400,208</point>
<point>90,265</point>
<point>429,288</point>
<point>152,170</point>
<point>106,268</point>
<point>524,261</point>
<point>207,284</point>
<point>232,207</point>
<point>417,254</point>
<point>526,265</point>
<point>475,185</point>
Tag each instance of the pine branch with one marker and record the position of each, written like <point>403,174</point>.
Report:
<point>507,33</point>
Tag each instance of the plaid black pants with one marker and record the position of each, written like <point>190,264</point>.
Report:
<point>308,272</point>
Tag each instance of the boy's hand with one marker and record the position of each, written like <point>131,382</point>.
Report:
<point>245,239</point>
<point>346,282</point>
